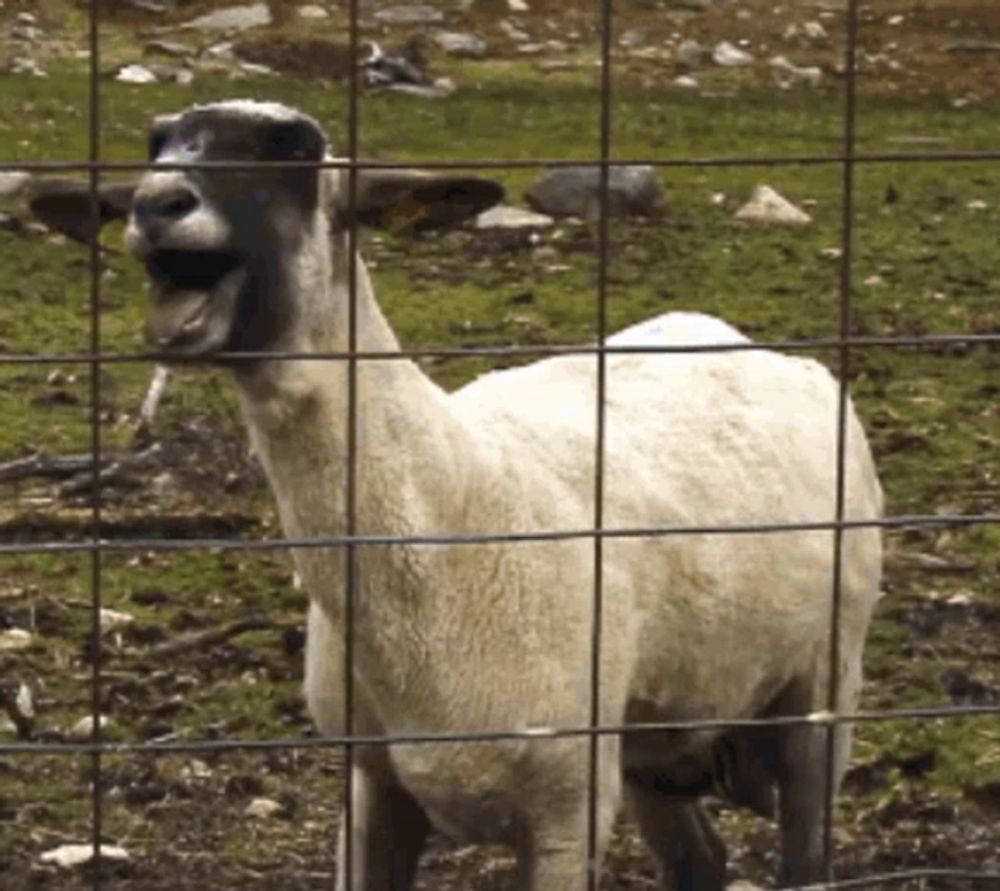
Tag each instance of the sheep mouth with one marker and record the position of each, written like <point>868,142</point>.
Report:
<point>193,297</point>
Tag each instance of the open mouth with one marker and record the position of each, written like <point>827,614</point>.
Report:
<point>190,270</point>
<point>193,298</point>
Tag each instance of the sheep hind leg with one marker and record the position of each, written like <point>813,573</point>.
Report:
<point>389,832</point>
<point>802,753</point>
<point>689,853</point>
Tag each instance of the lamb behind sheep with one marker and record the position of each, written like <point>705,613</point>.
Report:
<point>497,636</point>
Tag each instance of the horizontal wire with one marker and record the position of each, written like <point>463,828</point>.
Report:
<point>487,736</point>
<point>931,341</point>
<point>972,156</point>
<point>117,545</point>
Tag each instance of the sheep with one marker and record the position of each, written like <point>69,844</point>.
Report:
<point>496,636</point>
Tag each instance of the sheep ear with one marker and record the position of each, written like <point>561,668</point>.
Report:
<point>64,205</point>
<point>407,201</point>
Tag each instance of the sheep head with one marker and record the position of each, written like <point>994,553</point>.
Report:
<point>224,245</point>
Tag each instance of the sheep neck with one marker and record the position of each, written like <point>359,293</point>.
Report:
<point>410,448</point>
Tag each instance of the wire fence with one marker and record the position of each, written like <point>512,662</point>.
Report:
<point>843,347</point>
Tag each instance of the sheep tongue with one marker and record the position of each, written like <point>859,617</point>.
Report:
<point>175,317</point>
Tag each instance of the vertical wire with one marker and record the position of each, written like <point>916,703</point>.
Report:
<point>350,554</point>
<point>95,439</point>
<point>593,866</point>
<point>843,372</point>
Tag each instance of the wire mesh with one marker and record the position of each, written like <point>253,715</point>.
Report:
<point>843,345</point>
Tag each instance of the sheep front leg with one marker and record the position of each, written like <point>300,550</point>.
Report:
<point>552,864</point>
<point>388,833</point>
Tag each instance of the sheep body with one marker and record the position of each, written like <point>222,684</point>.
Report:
<point>696,626</point>
<point>459,637</point>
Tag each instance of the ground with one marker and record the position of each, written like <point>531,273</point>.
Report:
<point>926,262</point>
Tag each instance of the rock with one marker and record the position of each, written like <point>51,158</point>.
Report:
<point>743,886</point>
<point>69,856</point>
<point>518,6</point>
<point>439,89</point>
<point>13,640</point>
<point>262,808</point>
<point>690,53</point>
<point>112,619</point>
<point>455,43</point>
<point>814,32</point>
<point>632,39</point>
<point>157,7</point>
<point>11,183</point>
<point>504,216</point>
<point>575,191</point>
<point>729,56</point>
<point>973,46</point>
<point>313,12</point>
<point>232,18</point>
<point>396,67</point>
<point>25,18</point>
<point>221,52</point>
<point>24,65</point>
<point>84,728</point>
<point>168,48</point>
<point>27,33</point>
<point>256,70</point>
<point>686,81</point>
<point>10,223</point>
<point>767,206</point>
<point>788,74</point>
<point>513,32</point>
<point>409,15</point>
<point>135,74</point>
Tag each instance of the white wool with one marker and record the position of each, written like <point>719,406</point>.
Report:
<point>471,637</point>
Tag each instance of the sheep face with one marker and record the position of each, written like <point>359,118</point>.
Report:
<point>219,243</point>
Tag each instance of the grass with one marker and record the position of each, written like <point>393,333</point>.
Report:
<point>926,262</point>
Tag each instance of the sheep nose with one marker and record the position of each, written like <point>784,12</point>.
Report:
<point>164,205</point>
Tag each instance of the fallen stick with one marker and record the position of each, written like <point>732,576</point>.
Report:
<point>209,637</point>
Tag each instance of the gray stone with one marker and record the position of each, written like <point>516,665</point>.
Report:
<point>439,89</point>
<point>232,18</point>
<point>13,640</point>
<point>221,52</point>
<point>503,216</point>
<point>768,206</point>
<point>69,856</point>
<point>312,12</point>
<point>575,191</point>
<point>84,728</point>
<point>25,18</point>
<point>263,808</point>
<point>458,44</point>
<point>135,74</point>
<point>513,32</point>
<point>13,182</point>
<point>26,66</point>
<point>729,56</point>
<point>409,15</point>
<point>686,81</point>
<point>168,48</point>
<point>26,33</point>
<point>789,74</point>
<point>690,53</point>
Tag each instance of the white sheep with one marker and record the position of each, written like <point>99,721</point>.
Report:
<point>497,636</point>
